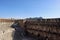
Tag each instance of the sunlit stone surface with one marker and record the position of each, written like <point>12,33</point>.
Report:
<point>6,31</point>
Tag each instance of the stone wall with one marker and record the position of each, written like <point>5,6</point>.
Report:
<point>45,27</point>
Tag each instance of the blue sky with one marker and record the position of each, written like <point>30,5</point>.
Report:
<point>29,8</point>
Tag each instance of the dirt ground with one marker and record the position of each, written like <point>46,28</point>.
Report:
<point>6,31</point>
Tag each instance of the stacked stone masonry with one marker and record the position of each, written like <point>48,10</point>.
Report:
<point>49,28</point>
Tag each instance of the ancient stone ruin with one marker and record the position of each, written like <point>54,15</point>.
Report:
<point>41,29</point>
<point>45,28</point>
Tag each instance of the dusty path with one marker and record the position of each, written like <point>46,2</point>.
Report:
<point>6,31</point>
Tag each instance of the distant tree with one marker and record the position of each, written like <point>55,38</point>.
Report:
<point>40,17</point>
<point>35,18</point>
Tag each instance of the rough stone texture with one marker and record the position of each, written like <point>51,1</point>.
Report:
<point>46,27</point>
